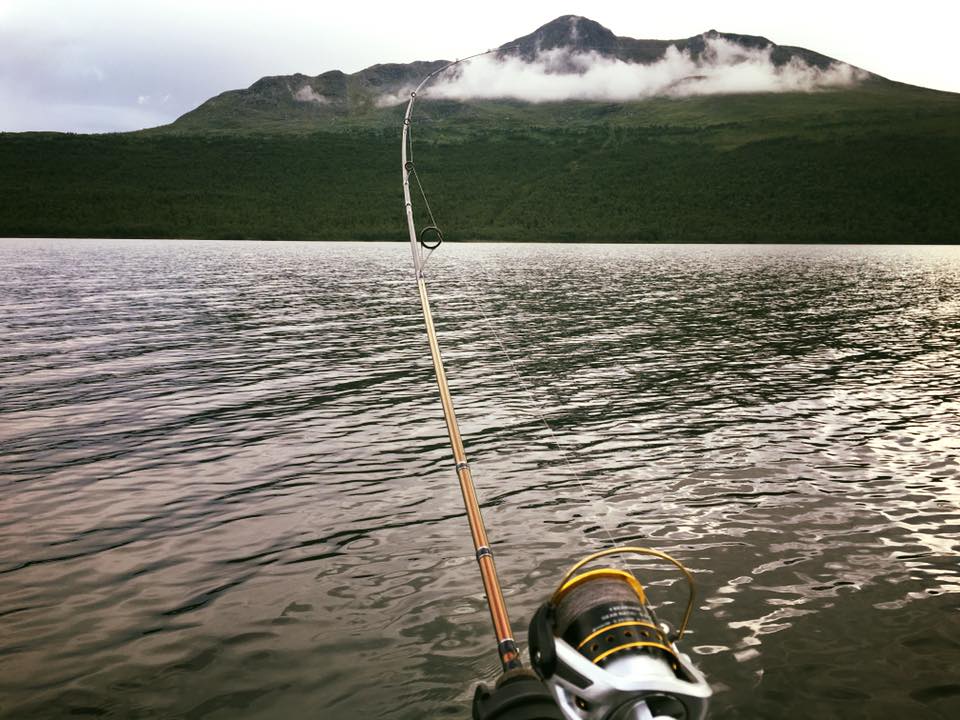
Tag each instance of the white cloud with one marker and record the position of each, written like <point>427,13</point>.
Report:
<point>723,68</point>
<point>308,94</point>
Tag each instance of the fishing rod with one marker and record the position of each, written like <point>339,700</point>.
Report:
<point>597,649</point>
<point>431,237</point>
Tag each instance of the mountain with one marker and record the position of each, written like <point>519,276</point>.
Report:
<point>732,139</point>
<point>336,100</point>
<point>581,34</point>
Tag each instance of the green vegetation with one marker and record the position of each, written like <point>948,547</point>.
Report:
<point>878,164</point>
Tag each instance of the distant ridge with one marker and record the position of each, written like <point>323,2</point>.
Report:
<point>337,100</point>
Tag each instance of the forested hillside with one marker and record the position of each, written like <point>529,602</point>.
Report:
<point>873,165</point>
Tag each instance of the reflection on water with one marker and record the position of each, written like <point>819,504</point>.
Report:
<point>226,490</point>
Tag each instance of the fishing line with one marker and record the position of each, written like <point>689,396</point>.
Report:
<point>425,250</point>
<point>554,438</point>
<point>410,168</point>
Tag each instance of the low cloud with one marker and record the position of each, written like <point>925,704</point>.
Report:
<point>561,74</point>
<point>401,96</point>
<point>308,94</point>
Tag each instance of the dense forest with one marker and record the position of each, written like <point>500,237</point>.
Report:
<point>879,167</point>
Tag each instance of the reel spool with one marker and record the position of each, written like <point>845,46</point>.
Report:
<point>604,655</point>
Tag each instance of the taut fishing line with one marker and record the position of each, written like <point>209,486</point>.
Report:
<point>601,508</point>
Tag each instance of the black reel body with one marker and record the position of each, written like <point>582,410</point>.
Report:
<point>598,646</point>
<point>518,695</point>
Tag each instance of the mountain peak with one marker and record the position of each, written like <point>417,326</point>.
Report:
<point>573,32</point>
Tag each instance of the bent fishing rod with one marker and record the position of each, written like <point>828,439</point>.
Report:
<point>597,648</point>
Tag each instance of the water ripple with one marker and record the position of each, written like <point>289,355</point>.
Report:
<point>226,488</point>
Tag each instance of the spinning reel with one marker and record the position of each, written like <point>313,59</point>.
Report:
<point>604,655</point>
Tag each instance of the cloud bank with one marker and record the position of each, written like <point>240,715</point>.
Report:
<point>560,74</point>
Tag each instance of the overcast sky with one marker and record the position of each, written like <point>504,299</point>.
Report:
<point>105,65</point>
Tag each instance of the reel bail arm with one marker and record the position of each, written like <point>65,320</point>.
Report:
<point>601,650</point>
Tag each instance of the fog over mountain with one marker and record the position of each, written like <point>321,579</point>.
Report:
<point>722,66</point>
<point>575,58</point>
<point>571,58</point>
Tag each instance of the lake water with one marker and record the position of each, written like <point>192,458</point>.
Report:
<point>226,490</point>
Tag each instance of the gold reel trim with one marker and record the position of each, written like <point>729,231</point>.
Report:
<point>568,581</point>
<point>603,656</point>
<point>608,628</point>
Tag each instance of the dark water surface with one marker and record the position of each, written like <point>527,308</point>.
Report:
<point>226,490</point>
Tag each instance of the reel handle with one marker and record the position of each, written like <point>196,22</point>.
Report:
<point>518,695</point>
